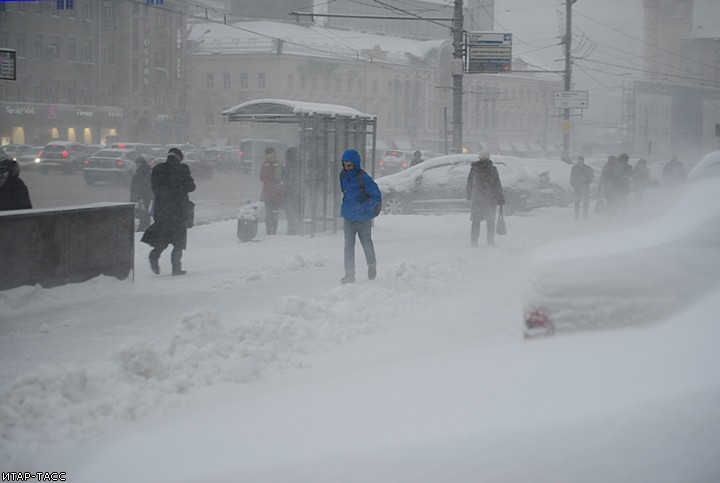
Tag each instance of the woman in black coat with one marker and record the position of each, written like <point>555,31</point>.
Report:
<point>171,182</point>
<point>485,193</point>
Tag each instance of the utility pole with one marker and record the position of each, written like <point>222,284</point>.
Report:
<point>568,75</point>
<point>458,68</point>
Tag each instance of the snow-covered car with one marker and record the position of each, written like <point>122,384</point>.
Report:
<point>114,165</point>
<point>440,185</point>
<point>634,276</point>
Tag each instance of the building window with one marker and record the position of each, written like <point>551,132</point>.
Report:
<point>209,118</point>
<point>243,81</point>
<point>88,10</point>
<point>135,34</point>
<point>314,84</point>
<point>39,46</point>
<point>338,85</point>
<point>21,52</point>
<point>226,80</point>
<point>350,83</point>
<point>86,54</point>
<point>72,48</point>
<point>302,83</point>
<point>109,54</point>
<point>375,86</point>
<point>135,75</point>
<point>261,80</point>
<point>210,81</point>
<point>290,82</point>
<point>54,47</point>
<point>108,16</point>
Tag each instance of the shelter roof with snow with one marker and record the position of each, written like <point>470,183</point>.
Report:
<point>277,110</point>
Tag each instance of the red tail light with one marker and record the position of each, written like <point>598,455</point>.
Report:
<point>240,153</point>
<point>404,165</point>
<point>122,145</point>
<point>394,153</point>
<point>87,161</point>
<point>120,163</point>
<point>40,153</point>
<point>65,154</point>
<point>382,163</point>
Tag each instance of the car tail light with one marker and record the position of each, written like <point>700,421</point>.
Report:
<point>538,324</point>
<point>120,163</point>
<point>382,163</point>
<point>40,153</point>
<point>404,165</point>
<point>87,161</point>
<point>241,153</point>
<point>65,154</point>
<point>122,145</point>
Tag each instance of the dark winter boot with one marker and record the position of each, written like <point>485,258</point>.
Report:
<point>154,262</point>
<point>175,258</point>
<point>348,278</point>
<point>372,272</point>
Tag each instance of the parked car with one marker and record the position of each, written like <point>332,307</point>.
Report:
<point>147,151</point>
<point>29,159</point>
<point>440,185</point>
<point>113,165</point>
<point>635,276</point>
<point>65,156</point>
<point>199,166</point>
<point>15,150</point>
<point>224,158</point>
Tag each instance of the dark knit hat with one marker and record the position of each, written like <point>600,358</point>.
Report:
<point>177,152</point>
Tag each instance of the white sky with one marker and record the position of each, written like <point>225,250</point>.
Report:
<point>604,32</point>
<point>259,366</point>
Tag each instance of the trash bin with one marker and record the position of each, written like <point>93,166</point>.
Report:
<point>247,225</point>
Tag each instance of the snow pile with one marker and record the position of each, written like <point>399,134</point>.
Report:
<point>74,402</point>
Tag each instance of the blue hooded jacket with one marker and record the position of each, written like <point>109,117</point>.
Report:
<point>356,205</point>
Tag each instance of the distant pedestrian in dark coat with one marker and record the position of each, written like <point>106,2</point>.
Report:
<point>641,179</point>
<point>291,190</point>
<point>361,195</point>
<point>417,158</point>
<point>272,189</point>
<point>485,193</point>
<point>674,172</point>
<point>619,178</point>
<point>141,192</point>
<point>171,182</point>
<point>581,176</point>
<point>14,194</point>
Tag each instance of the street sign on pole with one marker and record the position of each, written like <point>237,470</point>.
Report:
<point>488,52</point>
<point>8,66</point>
<point>571,100</point>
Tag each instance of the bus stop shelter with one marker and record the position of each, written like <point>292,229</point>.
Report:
<point>324,131</point>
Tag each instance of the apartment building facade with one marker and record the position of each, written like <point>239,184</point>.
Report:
<point>95,72</point>
<point>406,83</point>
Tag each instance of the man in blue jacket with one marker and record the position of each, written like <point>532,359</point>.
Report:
<point>361,198</point>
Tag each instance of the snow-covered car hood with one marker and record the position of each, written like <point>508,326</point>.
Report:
<point>634,276</point>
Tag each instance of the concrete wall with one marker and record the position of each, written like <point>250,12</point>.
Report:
<point>64,245</point>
